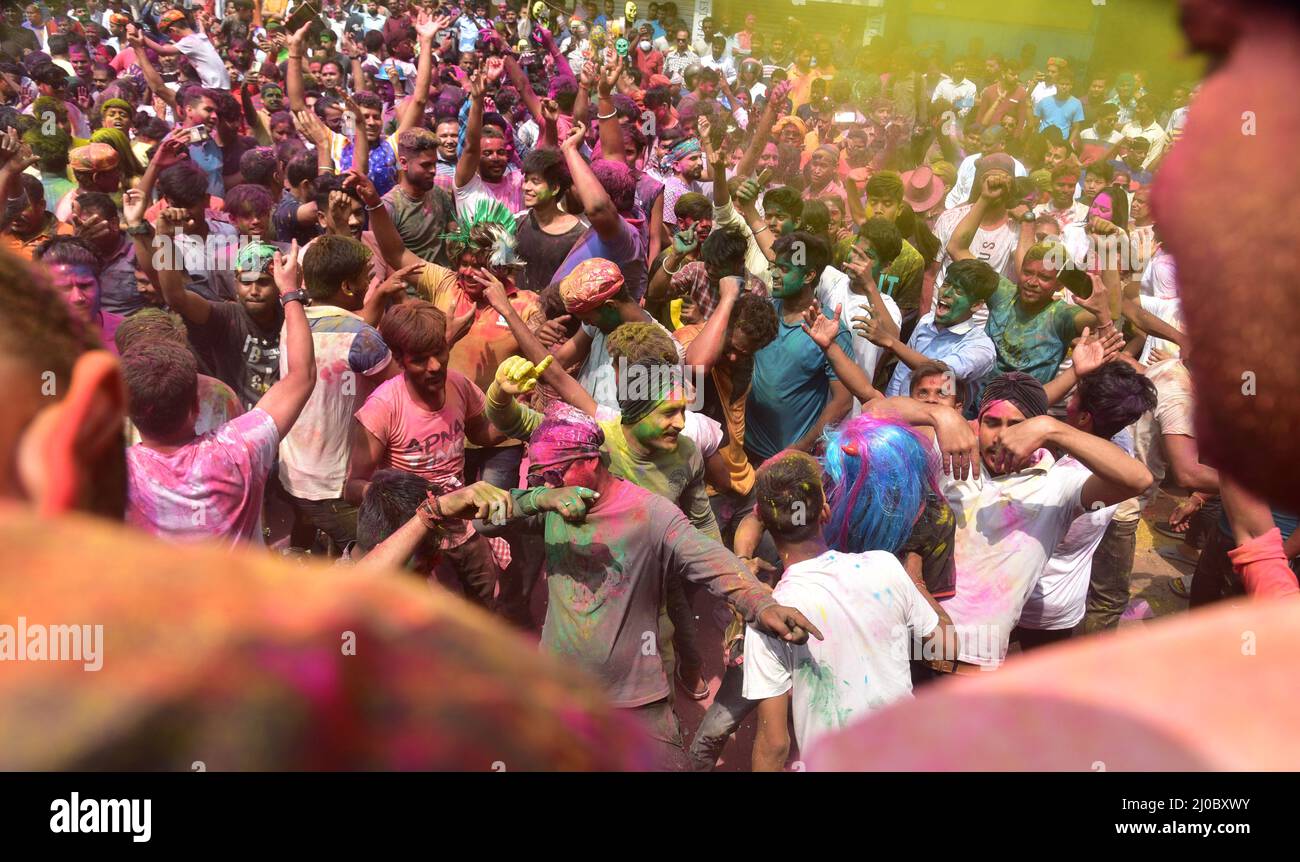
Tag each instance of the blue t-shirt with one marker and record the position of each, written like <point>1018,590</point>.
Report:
<point>1059,114</point>
<point>791,386</point>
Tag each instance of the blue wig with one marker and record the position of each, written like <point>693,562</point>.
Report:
<point>878,472</point>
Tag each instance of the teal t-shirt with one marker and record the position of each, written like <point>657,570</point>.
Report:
<point>791,387</point>
<point>1034,344</point>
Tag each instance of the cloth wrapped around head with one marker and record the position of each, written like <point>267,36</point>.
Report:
<point>565,435</point>
<point>787,121</point>
<point>679,151</point>
<point>1025,392</point>
<point>644,385</point>
<point>590,284</point>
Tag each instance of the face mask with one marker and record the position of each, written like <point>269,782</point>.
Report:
<point>644,45</point>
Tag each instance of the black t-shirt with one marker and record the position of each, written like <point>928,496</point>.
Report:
<point>932,537</point>
<point>238,352</point>
<point>542,251</point>
<point>285,224</point>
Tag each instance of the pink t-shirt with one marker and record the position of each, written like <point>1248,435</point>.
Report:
<point>211,488</point>
<point>508,190</point>
<point>431,445</point>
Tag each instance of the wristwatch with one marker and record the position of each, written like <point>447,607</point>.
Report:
<point>294,296</point>
<point>142,229</point>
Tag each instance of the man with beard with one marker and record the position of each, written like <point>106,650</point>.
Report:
<point>610,548</point>
<point>686,163</point>
<point>183,486</point>
<point>482,171</point>
<point>1010,518</point>
<point>420,422</point>
<point>421,211</point>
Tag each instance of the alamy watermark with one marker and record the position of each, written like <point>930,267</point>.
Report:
<point>36,642</point>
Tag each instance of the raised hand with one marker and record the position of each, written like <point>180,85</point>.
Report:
<point>396,283</point>
<point>1092,352</point>
<point>285,269</point>
<point>820,328</point>
<point>609,78</point>
<point>312,127</point>
<point>749,190</point>
<point>300,35</point>
<point>477,86</point>
<point>355,180</point>
<point>133,207</point>
<point>685,241</point>
<point>517,376</point>
<point>574,138</point>
<point>730,287</point>
<point>426,26</point>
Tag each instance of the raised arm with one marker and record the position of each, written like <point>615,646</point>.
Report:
<point>391,247</point>
<point>467,165</point>
<point>823,331</point>
<point>1115,476</point>
<point>596,205</point>
<point>286,398</point>
<point>776,97</point>
<point>519,78</point>
<point>535,352</point>
<point>293,83</point>
<point>611,133</point>
<point>426,27</point>
<point>152,79</point>
<point>170,279</point>
<point>706,349</point>
<point>964,234</point>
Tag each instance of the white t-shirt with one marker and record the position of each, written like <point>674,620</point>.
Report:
<point>1060,598</point>
<point>835,289</point>
<point>1172,417</point>
<point>203,57</point>
<point>995,247</point>
<point>1007,528</point>
<point>1171,312</point>
<point>868,610</point>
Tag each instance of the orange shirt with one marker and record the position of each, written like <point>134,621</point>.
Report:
<point>732,450</point>
<point>489,340</point>
<point>26,248</point>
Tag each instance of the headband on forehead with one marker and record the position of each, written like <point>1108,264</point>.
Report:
<point>643,386</point>
<point>564,436</point>
<point>679,151</point>
<point>1025,392</point>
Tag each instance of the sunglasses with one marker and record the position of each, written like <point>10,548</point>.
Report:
<point>551,476</point>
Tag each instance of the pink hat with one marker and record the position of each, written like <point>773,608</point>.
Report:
<point>922,189</point>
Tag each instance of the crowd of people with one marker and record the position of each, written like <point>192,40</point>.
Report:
<point>881,346</point>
